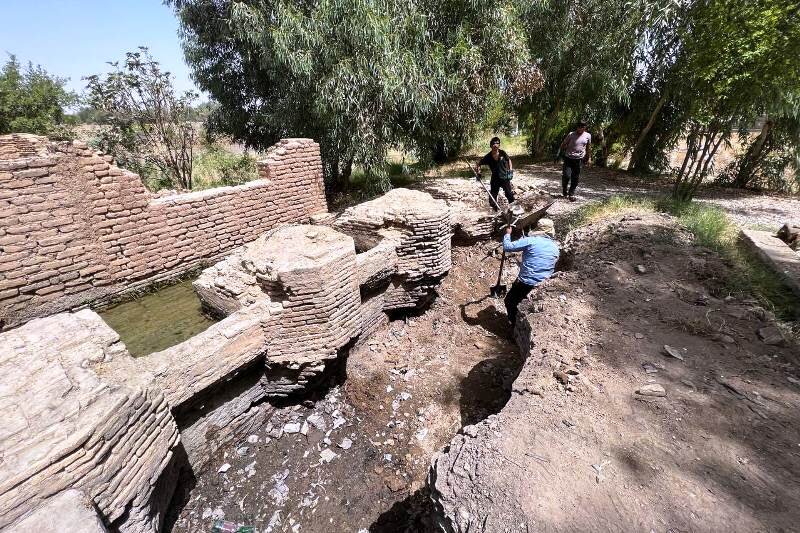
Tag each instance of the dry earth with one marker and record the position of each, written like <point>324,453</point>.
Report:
<point>714,446</point>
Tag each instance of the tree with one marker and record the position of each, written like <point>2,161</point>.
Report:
<point>358,76</point>
<point>147,127</point>
<point>585,52</point>
<point>33,101</point>
<point>741,57</point>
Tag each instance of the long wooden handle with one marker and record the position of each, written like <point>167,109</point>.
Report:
<point>502,262</point>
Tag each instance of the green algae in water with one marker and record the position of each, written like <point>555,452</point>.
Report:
<point>158,320</point>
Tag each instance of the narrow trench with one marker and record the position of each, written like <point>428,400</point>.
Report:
<point>384,410</point>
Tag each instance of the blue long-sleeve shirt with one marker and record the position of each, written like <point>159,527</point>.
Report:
<point>539,256</point>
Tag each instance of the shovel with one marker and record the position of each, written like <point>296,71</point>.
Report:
<point>479,180</point>
<point>499,290</point>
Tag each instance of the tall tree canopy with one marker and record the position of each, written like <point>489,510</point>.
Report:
<point>357,75</point>
<point>32,101</point>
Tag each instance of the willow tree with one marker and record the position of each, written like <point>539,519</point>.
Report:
<point>741,58</point>
<point>359,76</point>
<point>586,54</point>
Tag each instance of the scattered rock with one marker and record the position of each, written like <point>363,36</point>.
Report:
<point>252,439</point>
<point>649,368</point>
<point>346,444</point>
<point>291,427</point>
<point>638,335</point>
<point>673,352</point>
<point>242,450</point>
<point>327,455</point>
<point>641,269</point>
<point>224,468</point>
<point>722,337</point>
<point>563,377</point>
<point>771,335</point>
<point>317,420</point>
<point>470,431</point>
<point>652,389</point>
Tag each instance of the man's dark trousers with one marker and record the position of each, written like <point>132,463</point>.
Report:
<point>570,175</point>
<point>496,184</point>
<point>517,293</point>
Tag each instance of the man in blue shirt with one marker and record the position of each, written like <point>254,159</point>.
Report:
<point>539,256</point>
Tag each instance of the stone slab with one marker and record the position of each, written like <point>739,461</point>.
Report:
<point>776,254</point>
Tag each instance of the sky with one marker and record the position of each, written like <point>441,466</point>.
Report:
<point>72,38</point>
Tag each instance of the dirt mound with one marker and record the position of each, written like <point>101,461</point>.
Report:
<point>648,401</point>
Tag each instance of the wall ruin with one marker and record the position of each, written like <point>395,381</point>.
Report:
<point>88,422</point>
<point>75,228</point>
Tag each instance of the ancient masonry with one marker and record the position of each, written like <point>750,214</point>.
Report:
<point>98,436</point>
<point>75,228</point>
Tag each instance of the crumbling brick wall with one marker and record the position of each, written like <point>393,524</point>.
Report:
<point>75,228</point>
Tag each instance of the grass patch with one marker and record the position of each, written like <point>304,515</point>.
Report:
<point>713,229</point>
<point>214,166</point>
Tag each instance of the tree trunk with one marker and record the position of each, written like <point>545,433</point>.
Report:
<point>754,153</point>
<point>344,175</point>
<point>638,148</point>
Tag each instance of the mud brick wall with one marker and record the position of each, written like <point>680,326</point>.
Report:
<point>75,228</point>
<point>421,227</point>
<point>67,425</point>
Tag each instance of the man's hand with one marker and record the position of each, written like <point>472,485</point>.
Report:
<point>509,229</point>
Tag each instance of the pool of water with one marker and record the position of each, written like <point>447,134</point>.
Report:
<point>158,320</point>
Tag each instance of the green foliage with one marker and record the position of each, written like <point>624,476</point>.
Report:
<point>585,52</point>
<point>769,160</point>
<point>33,101</point>
<point>147,127</point>
<point>359,76</point>
<point>740,59</point>
<point>215,166</point>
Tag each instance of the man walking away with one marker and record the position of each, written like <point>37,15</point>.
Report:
<point>576,148</point>
<point>539,256</point>
<point>502,171</point>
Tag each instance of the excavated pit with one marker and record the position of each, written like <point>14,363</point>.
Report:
<point>303,399</point>
<point>402,395</point>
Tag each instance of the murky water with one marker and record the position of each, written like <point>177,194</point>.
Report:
<point>158,320</point>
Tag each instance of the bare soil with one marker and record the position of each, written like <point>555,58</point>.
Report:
<point>717,450</point>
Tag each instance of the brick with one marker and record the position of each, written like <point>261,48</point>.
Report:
<point>50,289</point>
<point>9,293</point>
<point>31,173</point>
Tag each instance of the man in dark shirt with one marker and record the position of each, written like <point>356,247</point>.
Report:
<point>502,171</point>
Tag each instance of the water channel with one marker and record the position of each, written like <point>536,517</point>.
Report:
<point>158,320</point>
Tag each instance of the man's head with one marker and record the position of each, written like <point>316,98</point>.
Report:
<point>494,144</point>
<point>580,127</point>
<point>545,226</point>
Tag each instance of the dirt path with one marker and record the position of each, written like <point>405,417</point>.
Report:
<point>361,461</point>
<point>747,209</point>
